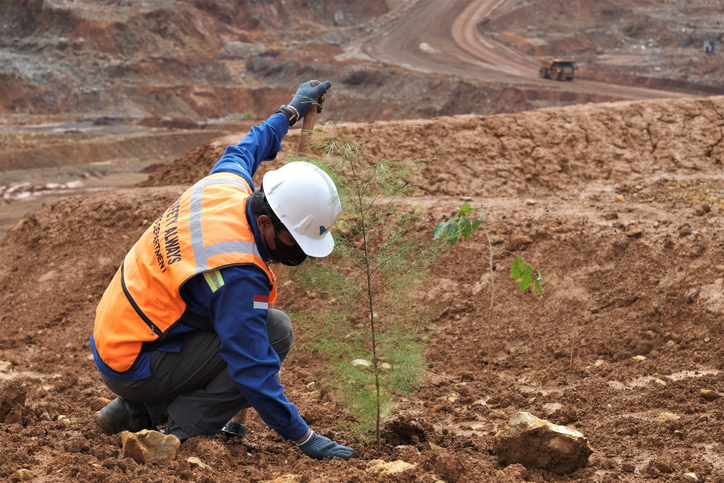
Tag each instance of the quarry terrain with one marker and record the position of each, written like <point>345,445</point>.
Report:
<point>611,184</point>
<point>619,205</point>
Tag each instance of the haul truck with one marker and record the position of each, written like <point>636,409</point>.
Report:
<point>557,68</point>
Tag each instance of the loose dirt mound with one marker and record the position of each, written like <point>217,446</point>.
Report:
<point>641,277</point>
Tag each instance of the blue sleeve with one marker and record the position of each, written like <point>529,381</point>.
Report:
<point>245,345</point>
<point>261,144</point>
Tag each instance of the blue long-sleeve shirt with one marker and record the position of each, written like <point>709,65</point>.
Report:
<point>244,341</point>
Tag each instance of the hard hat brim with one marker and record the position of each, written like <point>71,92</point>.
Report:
<point>315,247</point>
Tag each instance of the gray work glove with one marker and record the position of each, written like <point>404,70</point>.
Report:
<point>307,96</point>
<point>319,447</point>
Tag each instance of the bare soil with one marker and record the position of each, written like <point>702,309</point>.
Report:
<point>549,181</point>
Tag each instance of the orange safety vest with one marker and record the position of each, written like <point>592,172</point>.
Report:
<point>204,230</point>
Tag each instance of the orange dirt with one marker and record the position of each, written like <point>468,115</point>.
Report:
<point>548,180</point>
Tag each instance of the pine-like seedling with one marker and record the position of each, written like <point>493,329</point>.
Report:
<point>372,329</point>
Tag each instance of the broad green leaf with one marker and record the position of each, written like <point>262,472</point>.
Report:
<point>537,287</point>
<point>517,268</point>
<point>526,280</point>
<point>466,209</point>
<point>439,230</point>
<point>465,228</point>
<point>476,223</point>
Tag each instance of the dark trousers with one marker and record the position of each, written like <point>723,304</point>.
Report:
<point>193,386</point>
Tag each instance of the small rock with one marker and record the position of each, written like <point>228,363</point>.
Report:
<point>619,199</point>
<point>288,478</point>
<point>658,383</point>
<point>639,358</point>
<point>530,201</point>
<point>195,461</point>
<point>5,366</point>
<point>720,268</point>
<point>453,397</point>
<point>671,343</point>
<point>719,281</point>
<point>536,443</point>
<point>657,224</point>
<point>634,233</point>
<point>149,446</point>
<point>690,477</point>
<point>25,475</point>
<point>599,363</point>
<point>389,468</point>
<point>496,239</point>
<point>384,367</point>
<point>46,416</point>
<point>361,362</point>
<point>466,198</point>
<point>709,395</point>
<point>664,417</point>
<point>90,357</point>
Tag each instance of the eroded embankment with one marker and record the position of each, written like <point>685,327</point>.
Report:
<point>509,154</point>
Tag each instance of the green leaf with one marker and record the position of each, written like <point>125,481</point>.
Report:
<point>439,230</point>
<point>452,233</point>
<point>465,228</point>
<point>517,268</point>
<point>526,279</point>
<point>476,223</point>
<point>466,209</point>
<point>537,287</point>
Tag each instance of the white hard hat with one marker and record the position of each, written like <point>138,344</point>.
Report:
<point>306,201</point>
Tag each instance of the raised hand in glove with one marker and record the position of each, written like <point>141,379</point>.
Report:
<point>319,447</point>
<point>307,96</point>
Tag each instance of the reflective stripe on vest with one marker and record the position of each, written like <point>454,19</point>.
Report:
<point>204,230</point>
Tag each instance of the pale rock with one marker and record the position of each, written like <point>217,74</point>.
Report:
<point>361,362</point>
<point>639,358</point>
<point>389,468</point>
<point>5,366</point>
<point>384,367</point>
<point>690,477</point>
<point>531,202</point>
<point>664,417</point>
<point>453,397</point>
<point>496,239</point>
<point>671,343</point>
<point>658,383</point>
<point>619,198</point>
<point>599,363</point>
<point>709,395</point>
<point>89,357</point>
<point>25,475</point>
<point>149,446</point>
<point>634,233</point>
<point>46,416</point>
<point>719,281</point>
<point>193,460</point>
<point>478,427</point>
<point>288,478</point>
<point>536,443</point>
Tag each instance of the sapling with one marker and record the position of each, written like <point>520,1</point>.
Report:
<point>463,224</point>
<point>371,332</point>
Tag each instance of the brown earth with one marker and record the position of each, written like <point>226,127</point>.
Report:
<point>549,180</point>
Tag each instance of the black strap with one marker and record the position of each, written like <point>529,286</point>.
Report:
<point>154,328</point>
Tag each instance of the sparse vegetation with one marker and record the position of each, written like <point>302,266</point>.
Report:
<point>370,331</point>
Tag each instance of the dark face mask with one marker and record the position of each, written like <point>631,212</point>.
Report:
<point>286,254</point>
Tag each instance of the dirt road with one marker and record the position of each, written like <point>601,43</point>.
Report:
<point>442,36</point>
